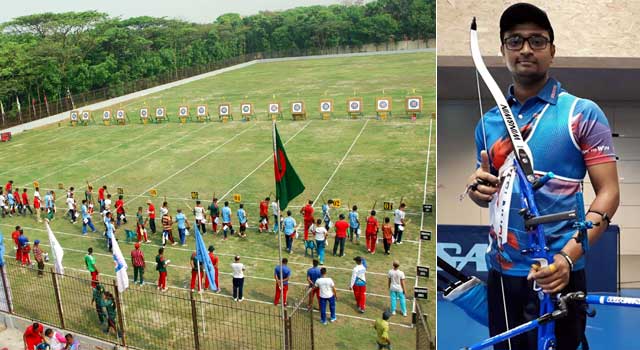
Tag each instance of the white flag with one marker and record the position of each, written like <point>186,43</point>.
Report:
<point>1,108</point>
<point>18,101</point>
<point>56,250</point>
<point>121,266</point>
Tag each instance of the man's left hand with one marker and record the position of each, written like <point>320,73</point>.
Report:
<point>553,278</point>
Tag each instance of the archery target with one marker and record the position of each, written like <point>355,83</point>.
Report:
<point>224,110</point>
<point>355,106</point>
<point>144,113</point>
<point>160,112</point>
<point>325,106</point>
<point>106,115</point>
<point>296,107</point>
<point>245,108</point>
<point>202,111</point>
<point>120,114</point>
<point>74,115</point>
<point>183,111</point>
<point>85,115</point>
<point>274,108</point>
<point>414,104</point>
<point>383,105</point>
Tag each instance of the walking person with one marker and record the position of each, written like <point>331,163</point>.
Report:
<point>197,272</point>
<point>398,223</point>
<point>37,204</point>
<point>199,213</point>
<point>38,256</point>
<point>387,236</point>
<point>151,212</point>
<point>71,208</point>
<point>289,225</point>
<point>226,221</point>
<point>328,295</point>
<point>381,326</point>
<point>307,214</point>
<point>214,212</point>
<point>121,215</point>
<point>137,260</point>
<point>275,211</point>
<point>354,225</point>
<point>90,263</point>
<point>86,218</point>
<point>371,232</point>
<point>98,300</point>
<point>161,267</point>
<point>18,199</point>
<point>111,230</point>
<point>284,278</point>
<point>313,273</point>
<point>3,205</point>
<point>88,195</point>
<point>237,269</point>
<point>183,224</point>
<point>214,261</point>
<point>25,202</point>
<point>359,283</point>
<point>341,235</point>
<point>141,230</point>
<point>242,220</point>
<point>50,204</point>
<point>264,215</point>
<point>320,235</point>
<point>397,289</point>
<point>167,231</point>
<point>101,197</point>
<point>326,215</point>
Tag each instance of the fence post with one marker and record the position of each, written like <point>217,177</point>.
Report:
<point>58,299</point>
<point>287,331</point>
<point>120,316</point>
<point>3,273</point>
<point>194,318</point>
<point>313,345</point>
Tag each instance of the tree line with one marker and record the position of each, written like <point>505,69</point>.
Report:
<point>52,54</point>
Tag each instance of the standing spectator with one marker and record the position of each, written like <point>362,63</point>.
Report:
<point>38,256</point>
<point>86,218</point>
<point>313,274</point>
<point>387,236</point>
<point>50,204</point>
<point>15,235</point>
<point>181,219</point>
<point>167,233</point>
<point>359,284</point>
<point>197,270</point>
<point>151,211</point>
<point>398,223</point>
<point>320,233</point>
<point>397,290</point>
<point>199,213</point>
<point>101,197</point>
<point>110,307</point>
<point>382,330</point>
<point>71,207</point>
<point>289,225</point>
<point>242,220</point>
<point>107,203</point>
<point>275,211</point>
<point>141,230</point>
<point>214,212</point>
<point>3,205</point>
<point>307,214</point>
<point>33,335</point>
<point>22,244</point>
<point>226,221</point>
<point>327,295</point>
<point>25,202</point>
<point>286,273</point>
<point>90,263</point>
<point>237,269</point>
<point>161,267</point>
<point>326,215</point>
<point>341,235</point>
<point>11,201</point>
<point>264,215</point>
<point>354,224</point>
<point>214,262</point>
<point>98,300</point>
<point>121,215</point>
<point>26,250</point>
<point>88,195</point>
<point>137,260</point>
<point>37,204</point>
<point>371,232</point>
<point>111,230</point>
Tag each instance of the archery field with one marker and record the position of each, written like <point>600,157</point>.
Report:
<point>360,161</point>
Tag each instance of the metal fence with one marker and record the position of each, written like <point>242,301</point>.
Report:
<point>37,109</point>
<point>151,319</point>
<point>423,331</point>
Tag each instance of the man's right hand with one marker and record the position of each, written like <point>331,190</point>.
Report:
<point>483,185</point>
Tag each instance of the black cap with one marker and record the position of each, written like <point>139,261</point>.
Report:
<point>521,13</point>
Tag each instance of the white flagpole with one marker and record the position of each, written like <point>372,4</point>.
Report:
<point>275,154</point>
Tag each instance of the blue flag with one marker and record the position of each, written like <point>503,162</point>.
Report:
<point>203,257</point>
<point>2,250</point>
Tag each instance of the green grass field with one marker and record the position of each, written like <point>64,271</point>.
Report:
<point>358,161</point>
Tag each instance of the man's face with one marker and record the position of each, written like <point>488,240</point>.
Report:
<point>528,65</point>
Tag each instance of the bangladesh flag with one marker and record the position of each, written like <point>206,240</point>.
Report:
<point>288,183</point>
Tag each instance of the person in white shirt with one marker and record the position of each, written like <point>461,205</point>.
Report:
<point>71,206</point>
<point>275,210</point>
<point>107,203</point>
<point>3,205</point>
<point>199,213</point>
<point>320,232</point>
<point>327,295</point>
<point>397,289</point>
<point>359,283</point>
<point>237,269</point>
<point>398,223</point>
<point>37,204</point>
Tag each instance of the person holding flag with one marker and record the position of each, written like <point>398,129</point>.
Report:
<point>122,279</point>
<point>214,261</point>
<point>56,250</point>
<point>206,262</point>
<point>196,275</point>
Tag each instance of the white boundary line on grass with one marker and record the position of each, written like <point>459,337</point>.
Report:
<point>261,164</point>
<point>341,161</point>
<point>192,163</point>
<point>229,296</point>
<point>95,155</point>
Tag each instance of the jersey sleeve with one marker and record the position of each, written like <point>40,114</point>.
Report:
<point>592,134</point>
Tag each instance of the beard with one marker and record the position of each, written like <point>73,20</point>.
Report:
<point>529,78</point>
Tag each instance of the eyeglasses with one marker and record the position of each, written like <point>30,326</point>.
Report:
<point>516,42</point>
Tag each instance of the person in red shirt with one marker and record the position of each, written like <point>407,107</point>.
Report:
<point>26,250</point>
<point>33,336</point>
<point>121,215</point>
<point>151,210</point>
<point>9,186</point>
<point>137,260</point>
<point>372,232</point>
<point>15,235</point>
<point>101,197</point>
<point>307,212</point>
<point>25,203</point>
<point>197,268</point>
<point>341,235</point>
<point>214,261</point>
<point>264,215</point>
<point>16,196</point>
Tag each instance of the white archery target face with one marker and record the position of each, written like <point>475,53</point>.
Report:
<point>274,108</point>
<point>325,106</point>
<point>85,115</point>
<point>120,114</point>
<point>224,110</point>
<point>354,106</point>
<point>106,115</point>
<point>383,105</point>
<point>74,116</point>
<point>159,112</point>
<point>297,107</point>
<point>246,108</point>
<point>202,111</point>
<point>183,111</point>
<point>413,104</point>
<point>144,113</point>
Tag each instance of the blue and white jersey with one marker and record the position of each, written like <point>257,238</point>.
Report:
<point>226,214</point>
<point>85,212</point>
<point>181,219</point>
<point>242,216</point>
<point>353,219</point>
<point>289,225</point>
